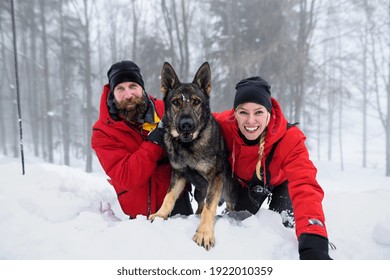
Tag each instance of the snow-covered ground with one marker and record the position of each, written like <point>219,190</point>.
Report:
<point>56,212</point>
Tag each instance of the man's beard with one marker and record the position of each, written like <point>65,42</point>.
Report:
<point>132,110</point>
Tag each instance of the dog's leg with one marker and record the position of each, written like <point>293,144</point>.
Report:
<point>229,194</point>
<point>200,208</point>
<point>200,196</point>
<point>204,235</point>
<point>169,199</point>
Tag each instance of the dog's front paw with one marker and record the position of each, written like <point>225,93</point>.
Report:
<point>204,238</point>
<point>157,214</point>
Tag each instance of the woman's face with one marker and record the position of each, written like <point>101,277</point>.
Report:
<point>252,119</point>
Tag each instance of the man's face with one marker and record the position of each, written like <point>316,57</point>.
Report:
<point>130,100</point>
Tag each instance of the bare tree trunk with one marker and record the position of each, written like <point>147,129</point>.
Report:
<point>136,16</point>
<point>336,91</point>
<point>331,99</point>
<point>3,139</point>
<point>8,81</point>
<point>306,26</point>
<point>387,122</point>
<point>168,24</point>
<point>113,32</point>
<point>323,88</point>
<point>340,90</point>
<point>388,117</point>
<point>101,71</point>
<point>186,21</point>
<point>231,45</point>
<point>34,106</point>
<point>319,126</point>
<point>388,107</point>
<point>48,106</point>
<point>364,103</point>
<point>88,87</point>
<point>178,40</point>
<point>374,38</point>
<point>64,77</point>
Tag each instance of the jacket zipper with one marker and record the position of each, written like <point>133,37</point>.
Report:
<point>149,197</point>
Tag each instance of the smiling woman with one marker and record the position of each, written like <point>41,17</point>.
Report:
<point>270,160</point>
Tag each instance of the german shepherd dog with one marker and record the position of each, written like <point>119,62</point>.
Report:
<point>196,150</point>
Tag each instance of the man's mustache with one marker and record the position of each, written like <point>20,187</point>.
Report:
<point>138,107</point>
<point>132,101</point>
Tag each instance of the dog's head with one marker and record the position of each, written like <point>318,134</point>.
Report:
<point>187,105</point>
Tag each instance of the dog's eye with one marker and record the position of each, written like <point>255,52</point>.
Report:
<point>176,102</point>
<point>195,102</point>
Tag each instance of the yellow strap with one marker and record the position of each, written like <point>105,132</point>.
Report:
<point>151,126</point>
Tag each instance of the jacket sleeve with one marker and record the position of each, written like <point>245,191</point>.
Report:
<point>305,192</point>
<point>127,170</point>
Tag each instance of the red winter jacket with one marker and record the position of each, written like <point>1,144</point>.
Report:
<point>290,162</point>
<point>137,169</point>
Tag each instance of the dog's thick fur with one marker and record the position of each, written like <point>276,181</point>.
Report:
<point>195,149</point>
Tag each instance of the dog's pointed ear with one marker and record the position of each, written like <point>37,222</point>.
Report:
<point>168,78</point>
<point>203,78</point>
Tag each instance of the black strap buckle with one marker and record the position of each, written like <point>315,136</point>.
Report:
<point>260,189</point>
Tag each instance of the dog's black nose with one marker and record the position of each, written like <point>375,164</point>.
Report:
<point>186,124</point>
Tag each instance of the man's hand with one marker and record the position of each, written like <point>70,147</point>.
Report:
<point>157,135</point>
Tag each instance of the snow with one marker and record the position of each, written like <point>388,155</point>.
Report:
<point>56,212</point>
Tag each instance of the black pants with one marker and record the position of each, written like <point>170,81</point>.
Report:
<point>280,202</point>
<point>183,204</point>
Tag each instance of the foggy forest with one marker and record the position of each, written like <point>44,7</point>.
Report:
<point>328,63</point>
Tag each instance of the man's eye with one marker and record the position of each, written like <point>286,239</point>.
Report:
<point>243,113</point>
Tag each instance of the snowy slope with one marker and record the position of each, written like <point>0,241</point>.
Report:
<point>61,213</point>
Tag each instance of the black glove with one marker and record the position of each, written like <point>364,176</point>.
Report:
<point>257,190</point>
<point>157,135</point>
<point>313,247</point>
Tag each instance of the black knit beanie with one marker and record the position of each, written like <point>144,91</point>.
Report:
<point>253,89</point>
<point>124,71</point>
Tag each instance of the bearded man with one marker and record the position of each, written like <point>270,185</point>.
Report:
<point>128,145</point>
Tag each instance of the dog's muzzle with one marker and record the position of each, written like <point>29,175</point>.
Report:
<point>186,129</point>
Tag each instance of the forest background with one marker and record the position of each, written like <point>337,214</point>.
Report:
<point>328,63</point>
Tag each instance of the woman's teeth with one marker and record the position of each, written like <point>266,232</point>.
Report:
<point>251,128</point>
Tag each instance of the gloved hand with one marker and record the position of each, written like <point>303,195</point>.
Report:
<point>157,135</point>
<point>313,247</point>
<point>257,190</point>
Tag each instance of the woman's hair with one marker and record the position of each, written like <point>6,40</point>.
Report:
<point>261,150</point>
